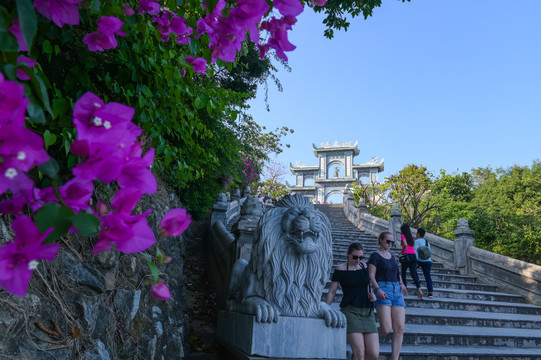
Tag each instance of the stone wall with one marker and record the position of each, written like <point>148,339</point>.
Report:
<point>85,306</point>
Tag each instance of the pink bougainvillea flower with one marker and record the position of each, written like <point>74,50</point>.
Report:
<point>130,233</point>
<point>136,171</point>
<point>12,103</point>
<point>247,15</point>
<point>278,30</point>
<point>97,42</point>
<point>15,29</point>
<point>289,7</point>
<point>175,222</point>
<point>263,50</point>
<point>227,34</point>
<point>149,6</point>
<point>20,150</point>
<point>198,64</point>
<point>320,2</point>
<point>21,75</point>
<point>76,194</point>
<point>179,27</point>
<point>18,257</point>
<point>170,23</point>
<point>96,121</point>
<point>104,39</point>
<point>22,193</point>
<point>160,291</point>
<point>104,162</point>
<point>111,26</point>
<point>128,10</point>
<point>59,11</point>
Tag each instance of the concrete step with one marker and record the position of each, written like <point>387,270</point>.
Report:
<point>458,352</point>
<point>469,294</point>
<point>442,294</point>
<point>472,305</point>
<point>468,336</point>
<point>419,316</point>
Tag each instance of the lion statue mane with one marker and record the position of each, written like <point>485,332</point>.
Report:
<point>290,262</point>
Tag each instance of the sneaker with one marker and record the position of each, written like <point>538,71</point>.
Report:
<point>429,295</point>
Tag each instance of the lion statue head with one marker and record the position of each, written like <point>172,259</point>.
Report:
<point>291,257</point>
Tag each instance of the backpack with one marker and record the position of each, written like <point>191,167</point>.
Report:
<point>424,251</point>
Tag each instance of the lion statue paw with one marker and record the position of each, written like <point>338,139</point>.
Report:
<point>333,318</point>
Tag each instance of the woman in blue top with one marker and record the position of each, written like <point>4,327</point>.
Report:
<point>388,286</point>
<point>356,304</point>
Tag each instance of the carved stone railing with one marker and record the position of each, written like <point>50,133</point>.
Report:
<point>226,246</point>
<point>226,207</point>
<point>461,254</point>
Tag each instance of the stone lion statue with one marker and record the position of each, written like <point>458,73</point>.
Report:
<point>289,266</point>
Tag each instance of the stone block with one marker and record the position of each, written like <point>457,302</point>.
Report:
<point>290,337</point>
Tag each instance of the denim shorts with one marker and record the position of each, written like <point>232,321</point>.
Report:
<point>394,294</point>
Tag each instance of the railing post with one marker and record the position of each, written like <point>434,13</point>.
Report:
<point>394,222</point>
<point>362,208</point>
<point>219,210</point>
<point>463,241</point>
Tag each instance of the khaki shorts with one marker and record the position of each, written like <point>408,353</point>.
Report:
<point>359,320</point>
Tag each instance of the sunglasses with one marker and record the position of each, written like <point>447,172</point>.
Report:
<point>355,257</point>
<point>389,241</point>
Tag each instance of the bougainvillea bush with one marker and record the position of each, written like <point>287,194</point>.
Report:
<point>95,93</point>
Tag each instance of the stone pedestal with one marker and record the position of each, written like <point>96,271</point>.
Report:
<point>290,337</point>
<point>245,238</point>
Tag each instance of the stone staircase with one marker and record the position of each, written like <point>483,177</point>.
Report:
<point>465,319</point>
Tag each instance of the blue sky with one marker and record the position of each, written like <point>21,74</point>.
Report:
<point>448,84</point>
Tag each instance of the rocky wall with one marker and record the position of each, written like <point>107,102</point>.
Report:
<point>98,306</point>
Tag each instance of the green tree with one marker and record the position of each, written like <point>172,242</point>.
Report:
<point>411,190</point>
<point>375,196</point>
<point>272,183</point>
<point>453,192</point>
<point>338,11</point>
<point>506,212</point>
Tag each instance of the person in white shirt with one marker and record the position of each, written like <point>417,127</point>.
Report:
<point>426,265</point>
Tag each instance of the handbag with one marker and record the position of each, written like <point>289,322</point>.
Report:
<point>403,259</point>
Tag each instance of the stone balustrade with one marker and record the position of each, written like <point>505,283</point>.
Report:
<point>461,254</point>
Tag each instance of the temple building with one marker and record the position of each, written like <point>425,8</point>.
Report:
<point>334,171</point>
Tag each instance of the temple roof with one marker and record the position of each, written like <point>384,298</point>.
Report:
<point>327,147</point>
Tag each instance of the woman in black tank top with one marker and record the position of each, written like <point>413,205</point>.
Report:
<point>356,304</point>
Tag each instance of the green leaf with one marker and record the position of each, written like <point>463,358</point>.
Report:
<point>56,216</point>
<point>200,102</point>
<point>95,6</point>
<point>86,224</point>
<point>35,111</point>
<point>41,89</point>
<point>49,139</point>
<point>211,4</point>
<point>50,168</point>
<point>46,47</point>
<point>153,270</point>
<point>27,20</point>
<point>8,42</point>
<point>10,71</point>
<point>171,4</point>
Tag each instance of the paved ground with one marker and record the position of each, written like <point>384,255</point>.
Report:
<point>202,316</point>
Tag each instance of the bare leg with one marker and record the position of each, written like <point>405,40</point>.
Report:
<point>398,315</point>
<point>384,317</point>
<point>356,340</point>
<point>371,344</point>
